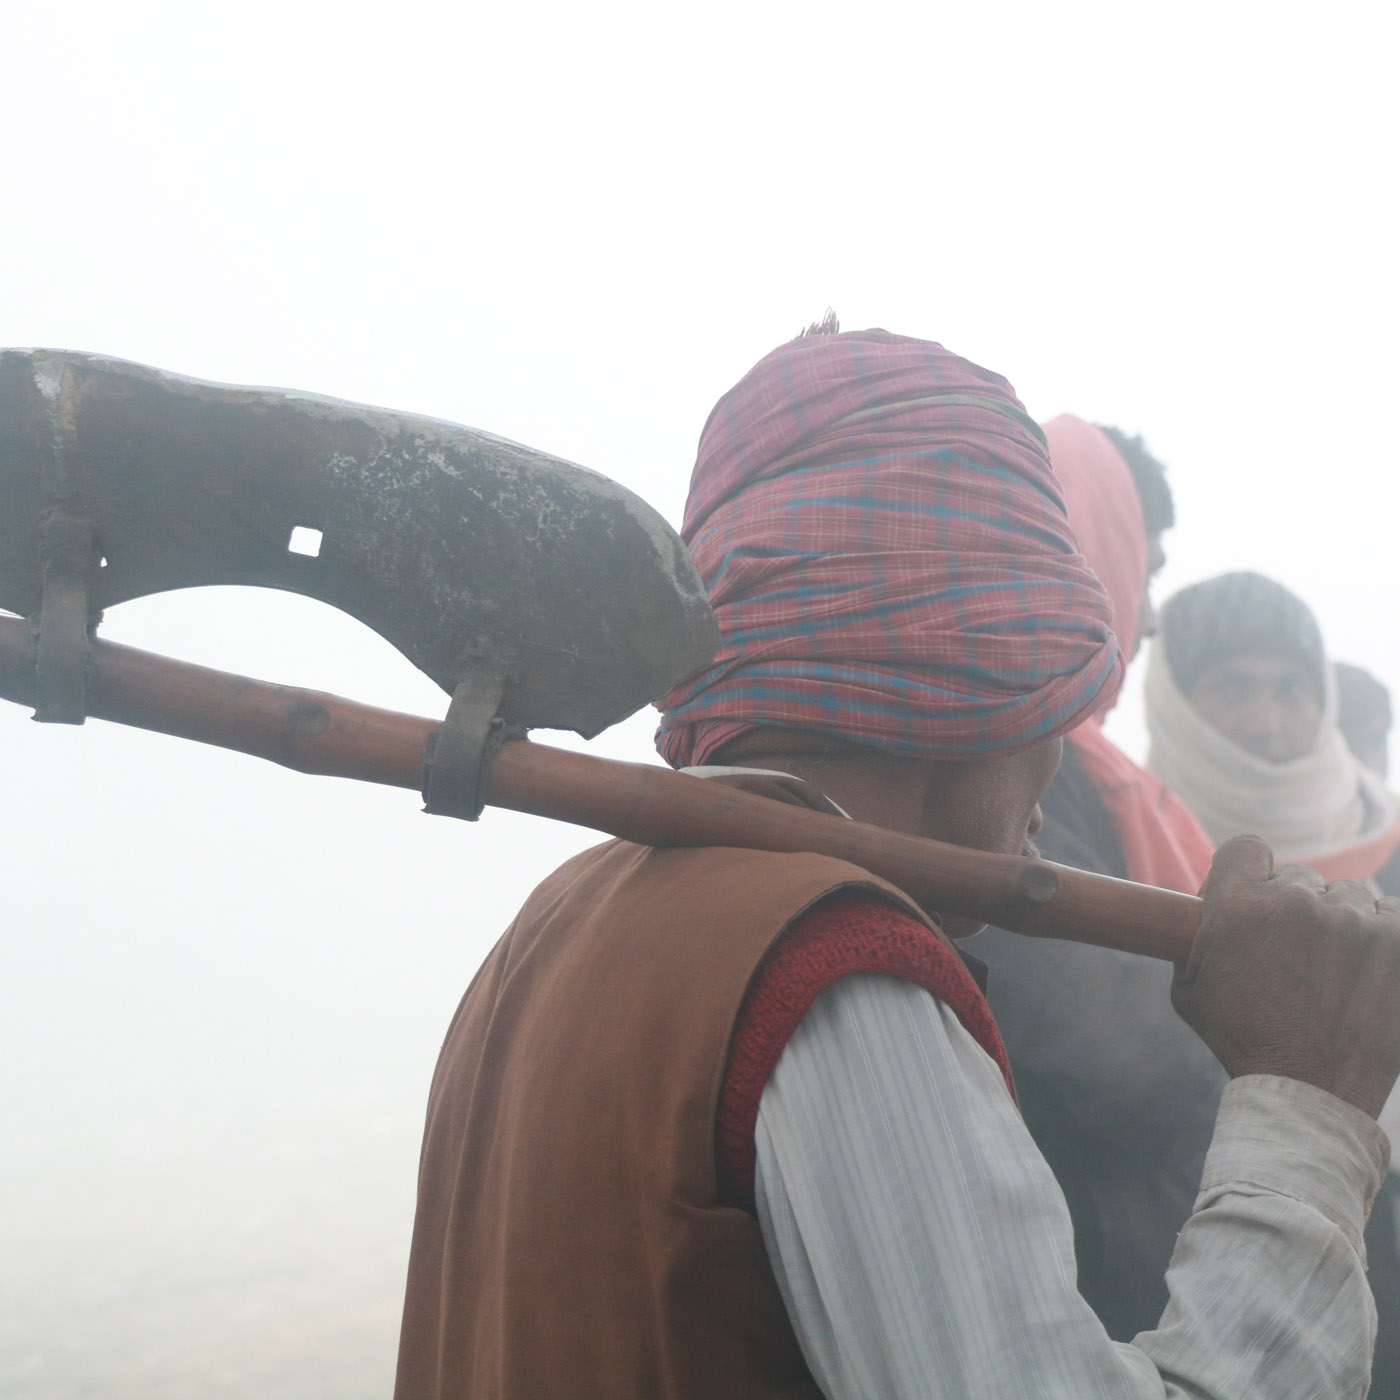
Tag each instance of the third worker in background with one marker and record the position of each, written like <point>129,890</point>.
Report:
<point>1243,715</point>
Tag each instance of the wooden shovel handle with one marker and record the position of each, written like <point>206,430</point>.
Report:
<point>641,802</point>
<point>318,733</point>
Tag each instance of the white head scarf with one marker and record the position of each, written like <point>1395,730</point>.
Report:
<point>1303,808</point>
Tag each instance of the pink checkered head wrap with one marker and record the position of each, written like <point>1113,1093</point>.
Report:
<point>887,553</point>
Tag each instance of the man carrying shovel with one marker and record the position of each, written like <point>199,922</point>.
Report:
<point>714,1122</point>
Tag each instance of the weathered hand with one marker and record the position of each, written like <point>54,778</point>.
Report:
<point>1291,976</point>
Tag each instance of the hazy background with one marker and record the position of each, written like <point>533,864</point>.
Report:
<point>223,986</point>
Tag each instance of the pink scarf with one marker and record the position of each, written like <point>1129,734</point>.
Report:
<point>1163,843</point>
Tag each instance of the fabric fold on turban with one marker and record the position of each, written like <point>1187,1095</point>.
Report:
<point>886,550</point>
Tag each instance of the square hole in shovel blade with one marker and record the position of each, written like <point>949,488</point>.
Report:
<point>304,540</point>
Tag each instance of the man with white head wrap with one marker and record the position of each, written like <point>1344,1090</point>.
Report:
<point>1242,715</point>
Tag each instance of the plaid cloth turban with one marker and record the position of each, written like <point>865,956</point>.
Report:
<point>887,553</point>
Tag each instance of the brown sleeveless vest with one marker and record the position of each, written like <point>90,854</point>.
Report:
<point>571,1239</point>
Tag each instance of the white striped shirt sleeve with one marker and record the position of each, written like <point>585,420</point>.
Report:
<point>923,1247</point>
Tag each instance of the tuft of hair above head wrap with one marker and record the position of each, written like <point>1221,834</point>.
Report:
<point>1149,476</point>
<point>886,550</point>
<point>828,325</point>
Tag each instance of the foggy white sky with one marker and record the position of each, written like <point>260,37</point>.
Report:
<point>223,985</point>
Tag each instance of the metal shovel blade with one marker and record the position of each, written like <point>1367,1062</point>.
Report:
<point>462,549</point>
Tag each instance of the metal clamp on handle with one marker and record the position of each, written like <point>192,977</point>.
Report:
<point>458,756</point>
<point>69,558</point>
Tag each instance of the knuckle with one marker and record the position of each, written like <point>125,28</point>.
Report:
<point>1294,900</point>
<point>1351,892</point>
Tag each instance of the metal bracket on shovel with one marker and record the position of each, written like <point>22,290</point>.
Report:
<point>459,755</point>
<point>68,555</point>
<point>537,593</point>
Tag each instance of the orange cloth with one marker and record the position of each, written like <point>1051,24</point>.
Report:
<point>1163,843</point>
<point>1362,859</point>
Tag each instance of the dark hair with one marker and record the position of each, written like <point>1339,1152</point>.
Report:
<point>828,325</point>
<point>1149,476</point>
<point>1234,614</point>
<point>1362,701</point>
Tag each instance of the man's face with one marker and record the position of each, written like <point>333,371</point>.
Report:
<point>989,804</point>
<point>1147,611</point>
<point>1266,703</point>
<point>997,803</point>
<point>992,804</point>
